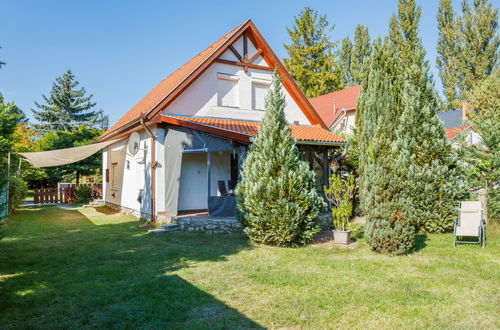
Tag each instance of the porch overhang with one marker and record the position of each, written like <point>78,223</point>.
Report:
<point>245,131</point>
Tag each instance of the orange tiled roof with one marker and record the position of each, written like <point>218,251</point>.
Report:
<point>452,132</point>
<point>169,83</point>
<point>346,98</point>
<point>250,128</point>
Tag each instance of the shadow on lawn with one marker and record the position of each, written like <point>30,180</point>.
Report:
<point>68,272</point>
<point>420,242</point>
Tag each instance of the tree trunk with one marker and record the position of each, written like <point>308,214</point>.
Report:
<point>77,177</point>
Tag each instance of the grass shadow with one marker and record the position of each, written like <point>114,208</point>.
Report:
<point>60,269</point>
<point>419,243</point>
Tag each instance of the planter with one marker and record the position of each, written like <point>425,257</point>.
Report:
<point>341,236</point>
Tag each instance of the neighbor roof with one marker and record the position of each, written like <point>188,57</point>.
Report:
<point>165,92</point>
<point>243,130</point>
<point>346,98</point>
<point>452,132</point>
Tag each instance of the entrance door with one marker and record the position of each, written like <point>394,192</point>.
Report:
<point>193,186</point>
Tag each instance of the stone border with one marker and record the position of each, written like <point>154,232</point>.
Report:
<point>210,226</point>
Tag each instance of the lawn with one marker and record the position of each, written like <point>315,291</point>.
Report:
<point>96,268</point>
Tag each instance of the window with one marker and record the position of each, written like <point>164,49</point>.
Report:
<point>259,93</point>
<point>114,176</point>
<point>227,90</point>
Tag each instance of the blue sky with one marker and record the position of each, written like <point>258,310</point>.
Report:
<point>119,50</point>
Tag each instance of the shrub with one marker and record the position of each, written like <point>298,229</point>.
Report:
<point>358,230</point>
<point>276,197</point>
<point>18,189</point>
<point>83,194</point>
<point>340,194</point>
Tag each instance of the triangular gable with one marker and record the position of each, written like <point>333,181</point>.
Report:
<point>152,105</point>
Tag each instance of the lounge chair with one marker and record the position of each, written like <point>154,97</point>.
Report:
<point>470,223</point>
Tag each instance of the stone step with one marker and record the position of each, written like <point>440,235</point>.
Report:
<point>158,231</point>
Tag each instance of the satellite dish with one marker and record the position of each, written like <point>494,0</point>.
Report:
<point>134,143</point>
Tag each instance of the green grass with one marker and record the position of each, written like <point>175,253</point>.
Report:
<point>96,269</point>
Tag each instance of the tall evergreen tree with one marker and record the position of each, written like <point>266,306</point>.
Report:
<point>433,180</point>
<point>344,59</point>
<point>277,199</point>
<point>351,56</point>
<point>311,59</point>
<point>389,228</point>
<point>360,52</point>
<point>478,41</point>
<point>447,49</point>
<point>467,47</point>
<point>67,106</point>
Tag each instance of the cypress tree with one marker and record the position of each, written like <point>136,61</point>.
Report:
<point>276,197</point>
<point>311,59</point>
<point>66,108</point>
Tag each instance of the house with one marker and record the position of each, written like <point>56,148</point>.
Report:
<point>180,148</point>
<point>338,109</point>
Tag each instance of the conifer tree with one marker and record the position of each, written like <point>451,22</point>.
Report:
<point>447,49</point>
<point>360,52</point>
<point>344,59</point>
<point>433,181</point>
<point>467,47</point>
<point>388,227</point>
<point>277,199</point>
<point>311,59</point>
<point>66,108</point>
<point>351,56</point>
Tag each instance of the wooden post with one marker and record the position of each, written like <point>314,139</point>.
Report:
<point>36,195</point>
<point>51,197</point>
<point>326,172</point>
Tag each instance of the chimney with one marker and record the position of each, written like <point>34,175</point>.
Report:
<point>465,110</point>
<point>334,107</point>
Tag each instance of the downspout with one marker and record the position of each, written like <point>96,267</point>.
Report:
<point>344,152</point>
<point>154,164</point>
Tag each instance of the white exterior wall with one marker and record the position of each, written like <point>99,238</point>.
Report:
<point>134,181</point>
<point>346,123</point>
<point>200,99</point>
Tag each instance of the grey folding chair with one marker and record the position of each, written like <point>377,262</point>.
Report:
<point>470,223</point>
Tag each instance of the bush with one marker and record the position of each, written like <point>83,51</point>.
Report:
<point>358,230</point>
<point>277,199</point>
<point>83,194</point>
<point>340,194</point>
<point>18,189</point>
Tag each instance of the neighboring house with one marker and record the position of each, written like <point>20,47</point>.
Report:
<point>455,123</point>
<point>338,109</point>
<point>180,148</point>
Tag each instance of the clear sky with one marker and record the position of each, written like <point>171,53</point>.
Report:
<point>119,50</point>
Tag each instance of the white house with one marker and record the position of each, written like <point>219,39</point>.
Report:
<point>180,148</point>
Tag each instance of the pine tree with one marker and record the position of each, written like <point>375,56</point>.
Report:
<point>311,59</point>
<point>447,51</point>
<point>388,227</point>
<point>433,181</point>
<point>66,108</point>
<point>351,56</point>
<point>277,199</point>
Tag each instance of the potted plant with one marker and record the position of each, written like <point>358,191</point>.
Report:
<point>340,194</point>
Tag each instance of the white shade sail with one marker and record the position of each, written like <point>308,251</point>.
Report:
<point>64,156</point>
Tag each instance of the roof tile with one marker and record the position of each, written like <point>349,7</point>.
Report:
<point>346,98</point>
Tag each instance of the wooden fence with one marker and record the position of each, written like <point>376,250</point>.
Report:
<point>65,193</point>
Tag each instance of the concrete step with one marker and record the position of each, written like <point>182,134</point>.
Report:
<point>165,228</point>
<point>170,226</point>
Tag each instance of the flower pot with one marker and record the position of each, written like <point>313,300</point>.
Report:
<point>342,236</point>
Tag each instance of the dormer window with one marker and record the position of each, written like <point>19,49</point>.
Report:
<point>260,88</point>
<point>227,90</point>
